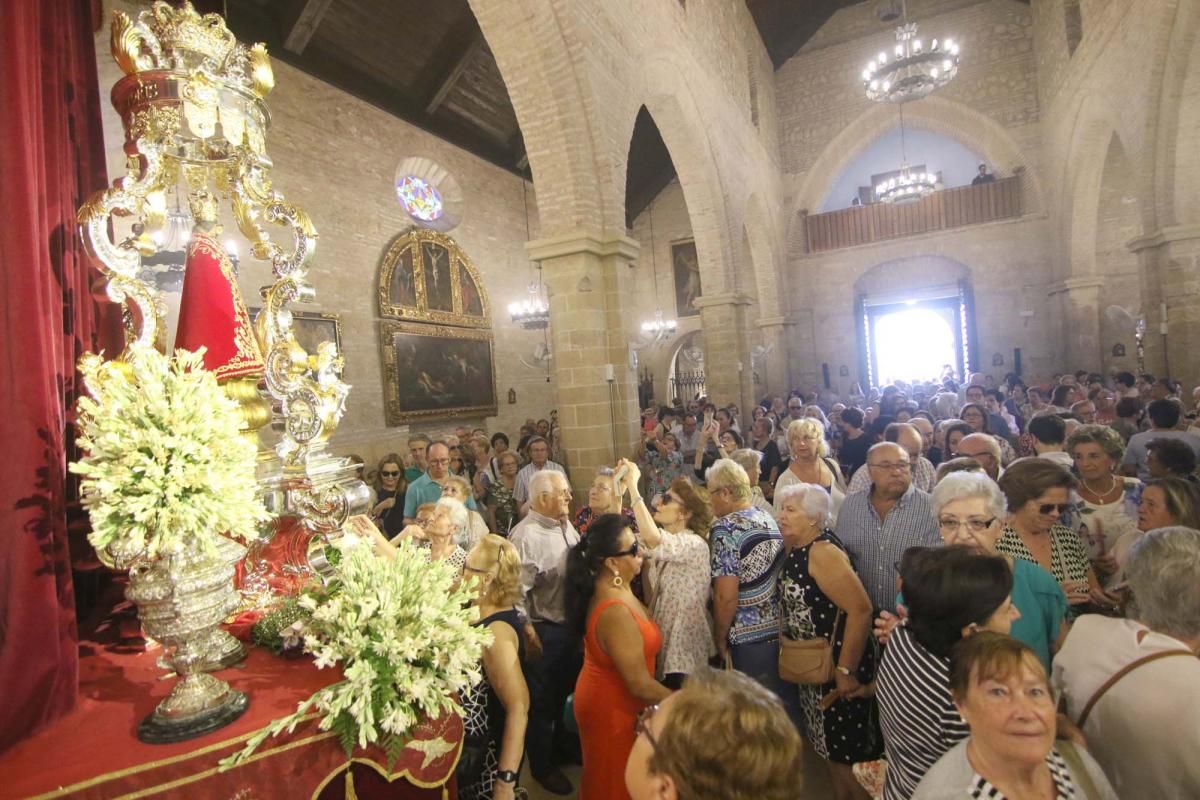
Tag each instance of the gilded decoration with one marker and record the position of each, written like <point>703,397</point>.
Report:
<point>436,371</point>
<point>426,277</point>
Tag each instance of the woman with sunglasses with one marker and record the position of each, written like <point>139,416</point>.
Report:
<point>1037,494</point>
<point>678,584</point>
<point>388,511</point>
<point>620,645</point>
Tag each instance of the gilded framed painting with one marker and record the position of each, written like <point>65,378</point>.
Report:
<point>432,371</point>
<point>312,327</point>
<point>426,277</point>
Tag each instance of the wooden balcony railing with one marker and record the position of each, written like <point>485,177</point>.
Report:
<point>949,208</point>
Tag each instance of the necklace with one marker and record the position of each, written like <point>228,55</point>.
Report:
<point>1106,492</point>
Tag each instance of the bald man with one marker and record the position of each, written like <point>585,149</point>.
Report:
<point>984,448</point>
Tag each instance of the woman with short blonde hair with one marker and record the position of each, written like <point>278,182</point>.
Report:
<point>459,488</point>
<point>810,463</point>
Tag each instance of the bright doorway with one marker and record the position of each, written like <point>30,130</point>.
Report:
<point>915,340</point>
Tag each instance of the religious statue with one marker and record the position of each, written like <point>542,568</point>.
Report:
<point>212,313</point>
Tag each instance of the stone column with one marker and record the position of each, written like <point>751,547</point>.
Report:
<point>1170,267</point>
<point>776,334</point>
<point>588,278</point>
<point>1079,308</point>
<point>727,369</point>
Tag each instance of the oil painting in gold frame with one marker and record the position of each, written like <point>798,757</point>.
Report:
<point>432,371</point>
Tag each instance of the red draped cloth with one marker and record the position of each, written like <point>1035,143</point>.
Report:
<point>51,160</point>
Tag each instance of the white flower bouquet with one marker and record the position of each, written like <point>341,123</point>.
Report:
<point>165,467</point>
<point>402,632</point>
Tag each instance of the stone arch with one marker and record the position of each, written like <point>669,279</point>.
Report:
<point>551,99</point>
<point>670,102</point>
<point>937,114</point>
<point>758,226</point>
<point>1178,161</point>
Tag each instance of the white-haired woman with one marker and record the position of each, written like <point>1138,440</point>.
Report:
<point>822,597</point>
<point>751,461</point>
<point>459,488</point>
<point>810,463</point>
<point>448,523</point>
<point>1142,727</point>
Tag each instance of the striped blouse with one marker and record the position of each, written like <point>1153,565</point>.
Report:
<point>916,712</point>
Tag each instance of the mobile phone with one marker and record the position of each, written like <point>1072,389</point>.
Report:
<point>621,472</point>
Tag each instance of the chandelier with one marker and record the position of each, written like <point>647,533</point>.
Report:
<point>914,71</point>
<point>906,185</point>
<point>532,313</point>
<point>657,330</point>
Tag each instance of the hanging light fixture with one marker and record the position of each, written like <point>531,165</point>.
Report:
<point>913,70</point>
<point>657,330</point>
<point>906,185</point>
<point>532,313</point>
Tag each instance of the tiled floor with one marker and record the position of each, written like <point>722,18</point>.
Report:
<point>815,786</point>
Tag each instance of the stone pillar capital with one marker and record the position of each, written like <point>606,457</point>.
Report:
<point>1171,233</point>
<point>780,321</point>
<point>593,242</point>
<point>1076,285</point>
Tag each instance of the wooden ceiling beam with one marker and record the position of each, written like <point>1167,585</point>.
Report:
<point>300,22</point>
<point>460,66</point>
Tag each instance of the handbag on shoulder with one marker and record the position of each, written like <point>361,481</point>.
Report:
<point>806,661</point>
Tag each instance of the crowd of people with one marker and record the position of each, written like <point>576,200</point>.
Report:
<point>990,590</point>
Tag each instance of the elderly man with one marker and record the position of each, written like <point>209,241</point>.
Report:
<point>925,428</point>
<point>1133,685</point>
<point>879,525</point>
<point>747,554</point>
<point>428,487</point>
<point>905,434</point>
<point>983,448</point>
<point>687,433</point>
<point>539,459</point>
<point>1084,411</point>
<point>543,539</point>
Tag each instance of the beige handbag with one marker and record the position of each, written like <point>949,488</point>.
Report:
<point>806,661</point>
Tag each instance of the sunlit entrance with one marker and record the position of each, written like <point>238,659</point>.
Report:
<point>915,340</point>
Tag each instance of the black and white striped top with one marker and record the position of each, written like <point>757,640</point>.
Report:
<point>916,712</point>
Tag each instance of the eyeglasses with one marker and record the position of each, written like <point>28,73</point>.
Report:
<point>441,461</point>
<point>632,551</point>
<point>1057,509</point>
<point>888,466</point>
<point>974,525</point>
<point>388,473</point>
<point>642,726</point>
<point>667,499</point>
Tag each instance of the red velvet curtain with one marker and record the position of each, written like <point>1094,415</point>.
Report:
<point>51,159</point>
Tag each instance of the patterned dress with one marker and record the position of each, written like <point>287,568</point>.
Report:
<point>1068,557</point>
<point>484,718</point>
<point>747,545</point>
<point>679,577</point>
<point>846,732</point>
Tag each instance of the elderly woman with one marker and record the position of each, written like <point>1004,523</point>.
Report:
<point>458,488</point>
<point>1108,502</point>
<point>1165,502</point>
<point>970,512</point>
<point>1133,685</point>
<point>678,583</point>
<point>501,504</point>
<point>388,511</point>
<point>1001,691</point>
<point>751,461</point>
<point>604,497</point>
<point>810,462</point>
<point>722,736</point>
<point>621,643</point>
<point>496,709</point>
<point>821,597</point>
<point>448,523</point>
<point>1037,493</point>
<point>951,593</point>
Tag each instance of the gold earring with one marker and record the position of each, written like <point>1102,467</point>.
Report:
<point>617,582</point>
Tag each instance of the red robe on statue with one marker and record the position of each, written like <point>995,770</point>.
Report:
<point>212,313</point>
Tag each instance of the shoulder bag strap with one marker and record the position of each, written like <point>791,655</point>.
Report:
<point>1121,673</point>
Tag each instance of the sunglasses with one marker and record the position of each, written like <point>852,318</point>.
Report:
<point>642,726</point>
<point>1057,509</point>
<point>632,551</point>
<point>387,473</point>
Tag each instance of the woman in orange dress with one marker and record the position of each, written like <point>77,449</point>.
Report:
<point>620,644</point>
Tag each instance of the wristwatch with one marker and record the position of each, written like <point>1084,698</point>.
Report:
<point>506,776</point>
<point>844,670</point>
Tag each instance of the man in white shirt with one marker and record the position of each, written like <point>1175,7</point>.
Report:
<point>539,459</point>
<point>543,539</point>
<point>1144,726</point>
<point>1164,417</point>
<point>1049,432</point>
<point>687,433</point>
